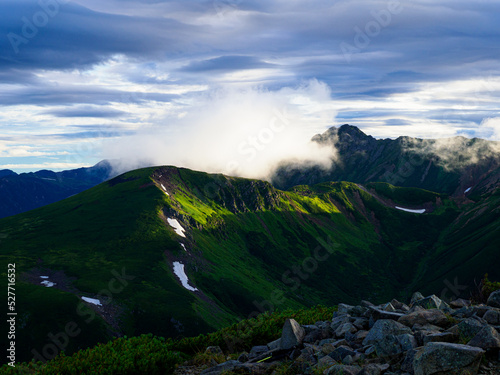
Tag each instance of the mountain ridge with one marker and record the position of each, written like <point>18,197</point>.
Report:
<point>243,244</point>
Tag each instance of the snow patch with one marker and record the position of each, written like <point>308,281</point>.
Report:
<point>179,272</point>
<point>166,192</point>
<point>177,227</point>
<point>184,247</point>
<point>412,211</point>
<point>92,301</point>
<point>48,284</point>
<point>467,190</point>
<point>44,277</point>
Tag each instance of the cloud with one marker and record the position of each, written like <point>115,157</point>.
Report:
<point>491,126</point>
<point>429,70</point>
<point>225,63</point>
<point>86,111</point>
<point>243,132</point>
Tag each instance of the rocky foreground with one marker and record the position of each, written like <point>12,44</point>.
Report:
<point>426,337</point>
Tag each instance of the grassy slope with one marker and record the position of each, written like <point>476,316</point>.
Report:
<point>242,237</point>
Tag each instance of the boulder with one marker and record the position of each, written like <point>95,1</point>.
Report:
<point>344,309</point>
<point>467,328</point>
<point>494,299</point>
<point>492,317</point>
<point>384,336</point>
<point>345,328</point>
<point>383,328</point>
<point>417,296</point>
<point>273,345</point>
<point>378,314</point>
<point>292,335</point>
<point>447,359</point>
<point>341,352</point>
<point>434,317</point>
<point>459,303</point>
<point>431,302</point>
<point>487,338</point>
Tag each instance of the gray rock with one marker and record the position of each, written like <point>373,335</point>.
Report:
<point>384,336</point>
<point>440,337</point>
<point>273,345</point>
<point>494,299</point>
<point>338,354</point>
<point>407,342</point>
<point>366,304</point>
<point>325,361</point>
<point>348,360</point>
<point>338,321</point>
<point>407,364</point>
<point>492,317</point>
<point>445,358</point>
<point>292,334</point>
<point>466,329</point>
<point>487,338</point>
<point>417,296</point>
<point>257,351</point>
<point>370,350</point>
<point>434,317</point>
<point>223,367</point>
<point>344,309</point>
<point>389,307</point>
<point>464,312</point>
<point>343,370</point>
<point>383,328</point>
<point>378,314</point>
<point>431,302</point>
<point>345,328</point>
<point>361,323</point>
<point>459,303</point>
<point>480,310</point>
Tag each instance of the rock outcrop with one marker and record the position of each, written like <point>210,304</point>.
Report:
<point>426,337</point>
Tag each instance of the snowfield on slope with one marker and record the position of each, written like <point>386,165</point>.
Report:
<point>177,227</point>
<point>92,301</point>
<point>412,211</point>
<point>179,272</point>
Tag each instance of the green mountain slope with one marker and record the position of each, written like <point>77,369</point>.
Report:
<point>245,246</point>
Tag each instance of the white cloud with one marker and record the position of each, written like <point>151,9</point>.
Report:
<point>243,132</point>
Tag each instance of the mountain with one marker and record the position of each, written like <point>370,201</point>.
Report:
<point>177,252</point>
<point>456,166</point>
<point>26,191</point>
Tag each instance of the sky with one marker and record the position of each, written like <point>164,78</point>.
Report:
<point>235,85</point>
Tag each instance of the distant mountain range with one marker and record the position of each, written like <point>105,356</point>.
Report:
<point>27,191</point>
<point>451,166</point>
